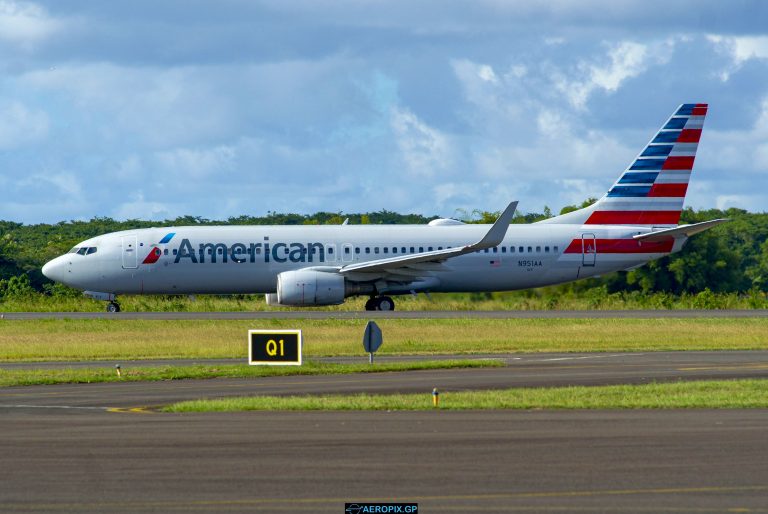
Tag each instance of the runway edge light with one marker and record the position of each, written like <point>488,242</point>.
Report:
<point>274,347</point>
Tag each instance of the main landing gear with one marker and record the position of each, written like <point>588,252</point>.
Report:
<point>380,303</point>
<point>113,307</point>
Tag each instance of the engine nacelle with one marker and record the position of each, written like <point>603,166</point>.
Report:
<point>307,287</point>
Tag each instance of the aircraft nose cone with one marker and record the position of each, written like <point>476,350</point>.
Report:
<point>54,270</point>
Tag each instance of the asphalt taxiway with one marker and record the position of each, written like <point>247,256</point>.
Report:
<point>93,448</point>
<point>310,314</point>
<point>502,461</point>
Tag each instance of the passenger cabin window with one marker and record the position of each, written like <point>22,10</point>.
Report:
<point>538,249</point>
<point>330,249</point>
<point>376,250</point>
<point>546,249</point>
<point>175,251</point>
<point>413,250</point>
<point>430,248</point>
<point>394,249</point>
<point>556,249</point>
<point>165,251</point>
<point>503,249</point>
<point>367,249</point>
<point>495,249</point>
<point>421,249</point>
<point>357,249</point>
<point>386,250</point>
<point>530,249</point>
<point>346,250</point>
<point>402,250</point>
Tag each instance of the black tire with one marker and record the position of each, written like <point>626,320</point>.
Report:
<point>370,305</point>
<point>385,303</point>
<point>113,307</point>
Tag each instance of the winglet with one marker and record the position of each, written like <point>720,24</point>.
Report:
<point>496,234</point>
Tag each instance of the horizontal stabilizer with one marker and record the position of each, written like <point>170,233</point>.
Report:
<point>683,230</point>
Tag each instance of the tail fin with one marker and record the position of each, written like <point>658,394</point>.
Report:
<point>652,189</point>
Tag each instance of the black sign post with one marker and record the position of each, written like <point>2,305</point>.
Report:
<point>274,347</point>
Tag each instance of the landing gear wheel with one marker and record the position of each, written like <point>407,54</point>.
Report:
<point>113,307</point>
<point>385,303</point>
<point>370,304</point>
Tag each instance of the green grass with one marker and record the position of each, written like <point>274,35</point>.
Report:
<point>535,299</point>
<point>70,339</point>
<point>135,374</point>
<point>722,394</point>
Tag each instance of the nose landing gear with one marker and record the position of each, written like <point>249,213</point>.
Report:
<point>380,303</point>
<point>112,306</point>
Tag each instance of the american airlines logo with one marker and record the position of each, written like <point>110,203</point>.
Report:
<point>155,253</point>
<point>250,252</point>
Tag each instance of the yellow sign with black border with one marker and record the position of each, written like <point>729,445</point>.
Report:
<point>274,347</point>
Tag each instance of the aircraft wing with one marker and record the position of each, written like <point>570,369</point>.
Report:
<point>492,238</point>
<point>683,230</point>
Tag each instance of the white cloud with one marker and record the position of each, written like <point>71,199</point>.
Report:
<point>627,59</point>
<point>20,125</point>
<point>138,208</point>
<point>479,81</point>
<point>553,41</point>
<point>198,163</point>
<point>25,23</point>
<point>725,201</point>
<point>740,49</point>
<point>424,149</point>
<point>487,74</point>
<point>743,149</point>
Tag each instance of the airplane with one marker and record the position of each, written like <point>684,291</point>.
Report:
<point>635,222</point>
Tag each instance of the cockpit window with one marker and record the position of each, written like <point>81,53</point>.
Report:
<point>84,250</point>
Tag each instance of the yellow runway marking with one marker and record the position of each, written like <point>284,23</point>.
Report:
<point>131,410</point>
<point>736,367</point>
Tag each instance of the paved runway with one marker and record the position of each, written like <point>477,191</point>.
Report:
<point>528,461</point>
<point>310,314</point>
<point>63,449</point>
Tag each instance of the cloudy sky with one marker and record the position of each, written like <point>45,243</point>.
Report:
<point>153,109</point>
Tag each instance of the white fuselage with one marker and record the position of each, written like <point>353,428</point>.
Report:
<point>247,259</point>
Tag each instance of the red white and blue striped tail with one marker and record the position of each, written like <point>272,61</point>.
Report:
<point>652,189</point>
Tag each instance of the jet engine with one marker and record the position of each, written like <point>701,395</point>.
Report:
<point>307,287</point>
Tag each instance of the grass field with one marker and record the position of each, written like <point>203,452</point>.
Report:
<point>148,373</point>
<point>547,298</point>
<point>53,339</point>
<point>723,394</point>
